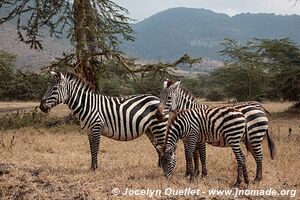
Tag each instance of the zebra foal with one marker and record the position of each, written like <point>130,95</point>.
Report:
<point>200,125</point>
<point>119,118</point>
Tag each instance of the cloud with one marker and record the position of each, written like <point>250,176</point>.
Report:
<point>140,9</point>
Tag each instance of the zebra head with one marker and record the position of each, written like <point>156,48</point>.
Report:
<point>56,92</point>
<point>168,160</point>
<point>167,97</point>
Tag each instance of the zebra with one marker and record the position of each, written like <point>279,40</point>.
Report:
<point>252,103</point>
<point>174,97</point>
<point>200,125</point>
<point>118,118</point>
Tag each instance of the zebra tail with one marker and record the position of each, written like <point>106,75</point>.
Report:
<point>247,142</point>
<point>271,145</point>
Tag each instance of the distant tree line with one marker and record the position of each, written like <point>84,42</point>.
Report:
<point>259,69</point>
<point>114,79</point>
<point>256,70</point>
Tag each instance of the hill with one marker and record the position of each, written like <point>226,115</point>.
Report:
<point>169,34</point>
<point>53,48</point>
<point>199,32</point>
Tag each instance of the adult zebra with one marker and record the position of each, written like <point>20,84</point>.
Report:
<point>124,118</point>
<point>205,125</point>
<point>174,97</point>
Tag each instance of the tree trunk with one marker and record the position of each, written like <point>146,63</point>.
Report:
<point>84,68</point>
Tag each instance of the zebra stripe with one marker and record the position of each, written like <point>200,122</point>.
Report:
<point>200,125</point>
<point>252,103</point>
<point>174,97</point>
<point>119,118</point>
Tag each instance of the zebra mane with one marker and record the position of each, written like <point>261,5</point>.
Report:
<point>71,76</point>
<point>172,117</point>
<point>188,93</point>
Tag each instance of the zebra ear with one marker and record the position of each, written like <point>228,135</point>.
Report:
<point>166,83</point>
<point>159,148</point>
<point>54,74</point>
<point>61,76</point>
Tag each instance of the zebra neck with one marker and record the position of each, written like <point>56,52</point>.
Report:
<point>79,101</point>
<point>187,104</point>
<point>172,138</point>
<point>190,104</point>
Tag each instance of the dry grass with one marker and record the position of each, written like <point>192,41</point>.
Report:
<point>54,164</point>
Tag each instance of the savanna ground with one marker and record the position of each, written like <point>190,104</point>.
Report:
<point>54,163</point>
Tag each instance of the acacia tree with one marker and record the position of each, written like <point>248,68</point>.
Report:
<point>243,76</point>
<point>261,67</point>
<point>282,58</point>
<point>94,26</point>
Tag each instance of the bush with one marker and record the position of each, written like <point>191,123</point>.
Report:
<point>197,86</point>
<point>21,84</point>
<point>26,119</point>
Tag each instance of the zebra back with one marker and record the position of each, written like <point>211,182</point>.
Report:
<point>251,103</point>
<point>122,118</point>
<point>207,125</point>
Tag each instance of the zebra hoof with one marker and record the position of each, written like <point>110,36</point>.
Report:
<point>159,164</point>
<point>257,179</point>
<point>94,167</point>
<point>187,173</point>
<point>237,184</point>
<point>204,174</point>
<point>192,179</point>
<point>197,173</point>
<point>246,180</point>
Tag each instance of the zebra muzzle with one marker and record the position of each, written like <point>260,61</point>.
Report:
<point>43,106</point>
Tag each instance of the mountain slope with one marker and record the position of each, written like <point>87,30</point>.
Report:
<point>169,34</point>
<point>52,48</point>
<point>199,32</point>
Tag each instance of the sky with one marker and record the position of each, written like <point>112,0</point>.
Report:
<point>141,9</point>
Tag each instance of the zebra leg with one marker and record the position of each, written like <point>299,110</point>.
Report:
<point>202,152</point>
<point>196,162</point>
<point>94,139</point>
<point>240,161</point>
<point>152,140</point>
<point>258,157</point>
<point>189,150</point>
<point>245,173</point>
<point>187,172</point>
<point>255,150</point>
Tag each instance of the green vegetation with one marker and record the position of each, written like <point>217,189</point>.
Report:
<point>259,69</point>
<point>21,84</point>
<point>26,119</point>
<point>36,119</point>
